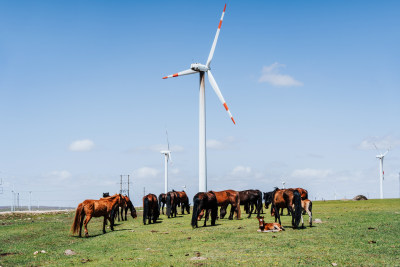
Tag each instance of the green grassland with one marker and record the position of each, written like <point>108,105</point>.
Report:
<point>351,233</point>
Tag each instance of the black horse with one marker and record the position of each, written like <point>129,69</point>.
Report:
<point>162,200</point>
<point>208,203</point>
<point>250,199</point>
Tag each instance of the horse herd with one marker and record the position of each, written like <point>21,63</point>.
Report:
<point>205,204</point>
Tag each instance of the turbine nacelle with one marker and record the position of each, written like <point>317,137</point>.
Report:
<point>199,67</point>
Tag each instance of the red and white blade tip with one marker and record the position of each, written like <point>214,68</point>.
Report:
<point>230,115</point>
<point>170,76</point>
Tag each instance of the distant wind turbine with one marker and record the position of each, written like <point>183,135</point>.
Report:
<point>202,69</point>
<point>381,171</point>
<point>283,184</point>
<point>167,156</point>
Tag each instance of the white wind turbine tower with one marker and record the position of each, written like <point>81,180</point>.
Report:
<point>202,69</point>
<point>167,156</point>
<point>381,171</point>
<point>283,184</point>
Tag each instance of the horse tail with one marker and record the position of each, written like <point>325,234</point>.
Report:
<point>169,205</point>
<point>195,214</point>
<point>77,220</point>
<point>297,208</point>
<point>239,212</point>
<point>145,209</point>
<point>306,194</point>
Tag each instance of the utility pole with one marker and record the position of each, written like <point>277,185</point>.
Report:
<point>18,202</point>
<point>12,200</point>
<point>120,191</point>
<point>128,185</point>
<point>144,191</point>
<point>30,203</point>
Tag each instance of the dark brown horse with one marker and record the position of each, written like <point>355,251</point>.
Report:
<point>183,201</point>
<point>162,200</point>
<point>172,203</point>
<point>225,198</point>
<point>150,208</point>
<point>251,198</point>
<point>204,201</point>
<point>95,208</point>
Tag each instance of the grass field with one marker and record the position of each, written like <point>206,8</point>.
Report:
<point>351,233</point>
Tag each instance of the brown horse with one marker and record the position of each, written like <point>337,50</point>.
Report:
<point>162,199</point>
<point>204,201</point>
<point>172,203</point>
<point>150,208</point>
<point>303,192</point>
<point>269,227</point>
<point>226,197</point>
<point>183,201</point>
<point>124,209</point>
<point>290,199</point>
<point>95,208</point>
<point>306,204</point>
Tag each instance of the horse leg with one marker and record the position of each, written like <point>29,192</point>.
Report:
<point>206,217</point>
<point>309,216</point>
<point>233,208</point>
<point>87,220</point>
<point>104,224</point>
<point>162,207</point>
<point>251,207</point>
<point>81,224</point>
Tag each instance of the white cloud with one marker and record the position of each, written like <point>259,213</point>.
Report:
<point>220,145</point>
<point>241,170</point>
<point>59,175</point>
<point>311,173</point>
<point>382,143</point>
<point>81,145</point>
<point>146,172</point>
<point>272,76</point>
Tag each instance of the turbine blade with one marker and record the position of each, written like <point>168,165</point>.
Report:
<point>210,56</point>
<point>219,94</point>
<point>185,72</point>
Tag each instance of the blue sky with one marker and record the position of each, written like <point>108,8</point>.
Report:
<point>312,85</point>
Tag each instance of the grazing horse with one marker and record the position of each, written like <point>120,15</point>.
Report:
<point>269,227</point>
<point>204,201</point>
<point>226,197</point>
<point>95,208</point>
<point>306,204</point>
<point>162,200</point>
<point>150,208</point>
<point>172,202</point>
<point>183,201</point>
<point>251,198</point>
<point>128,206</point>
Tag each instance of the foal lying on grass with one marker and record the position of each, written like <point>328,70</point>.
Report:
<point>268,227</point>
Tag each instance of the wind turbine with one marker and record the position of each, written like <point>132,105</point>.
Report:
<point>283,184</point>
<point>202,69</point>
<point>167,156</point>
<point>381,171</point>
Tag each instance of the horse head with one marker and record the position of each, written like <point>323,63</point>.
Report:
<point>261,222</point>
<point>267,199</point>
